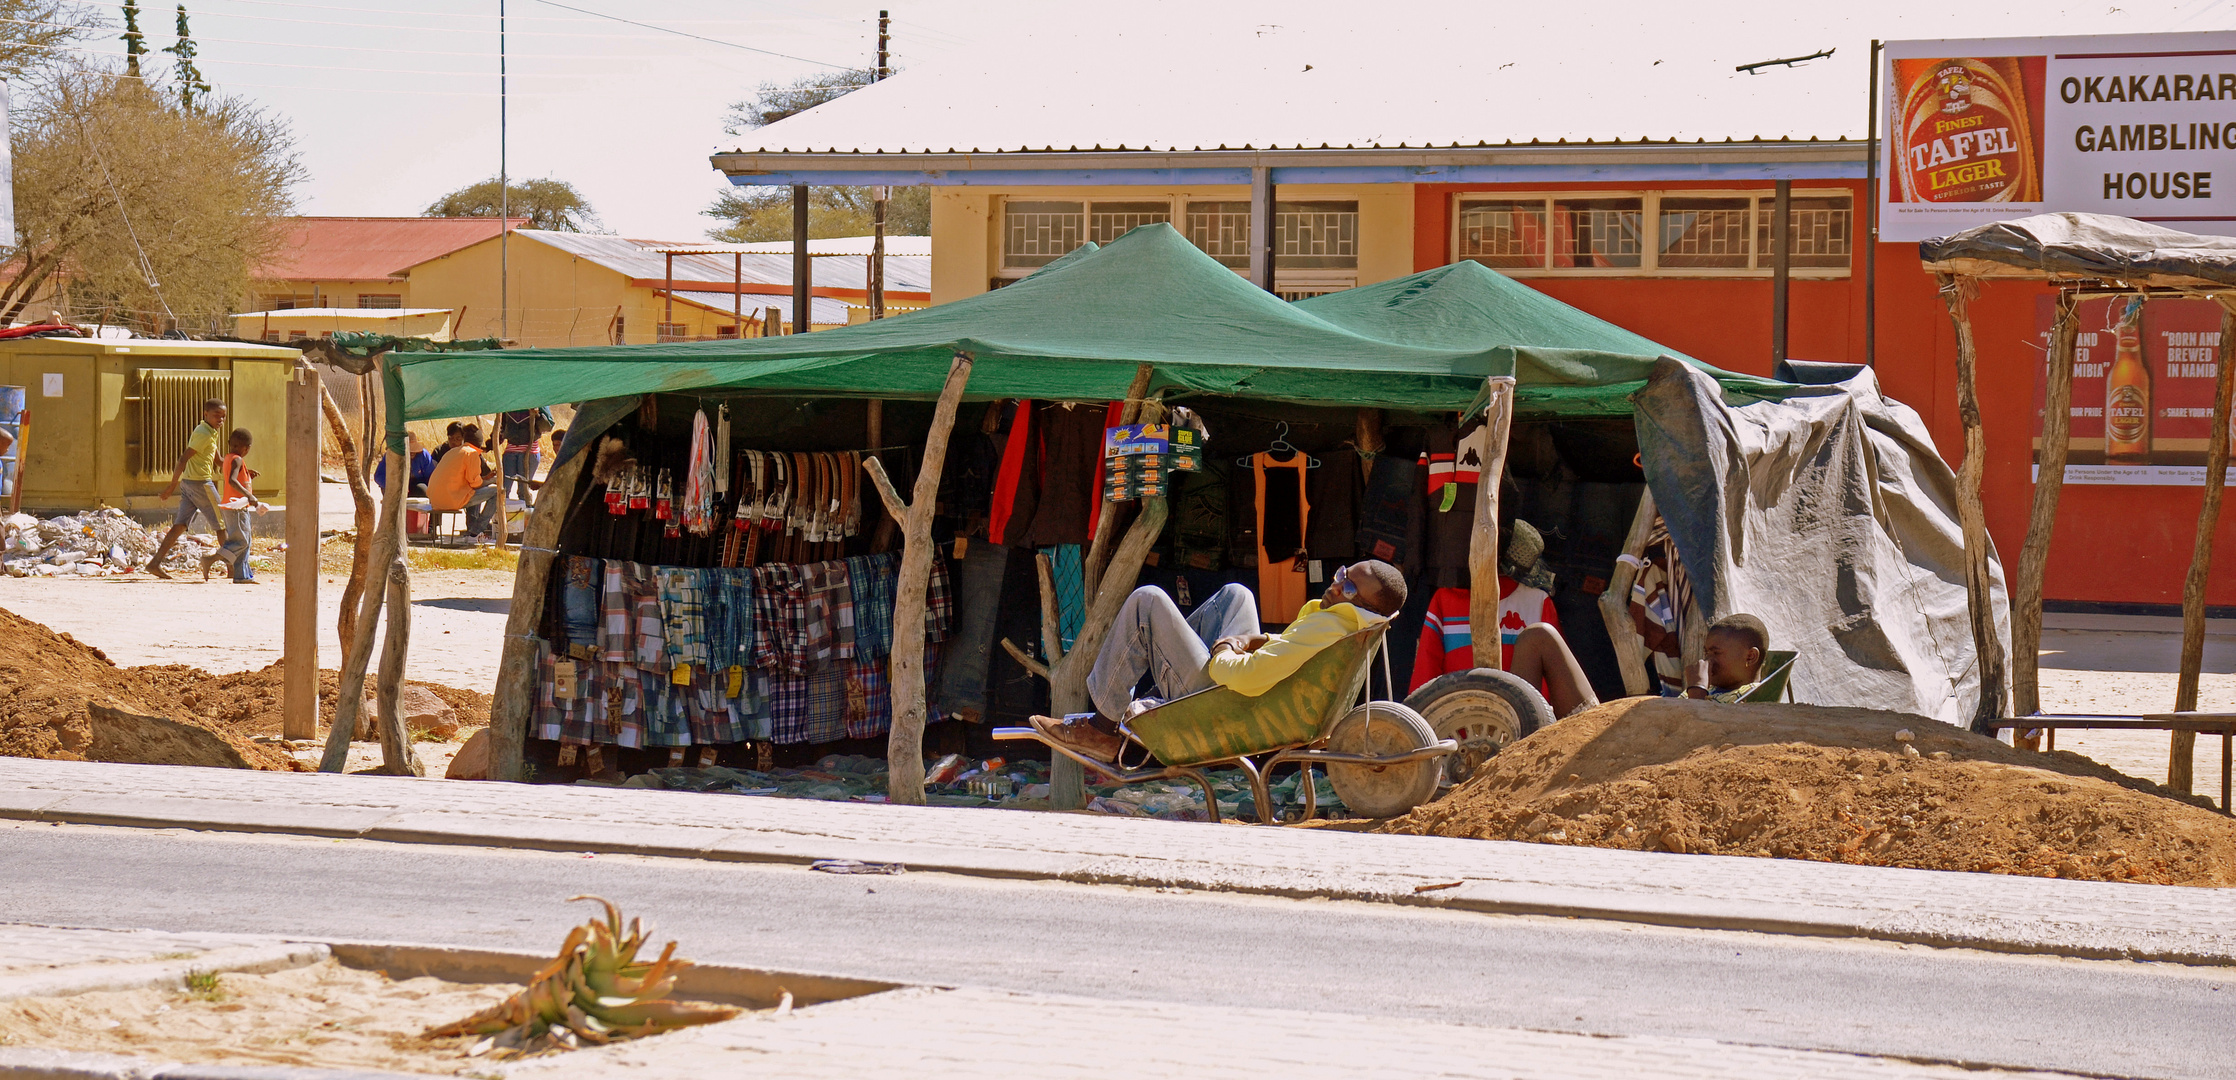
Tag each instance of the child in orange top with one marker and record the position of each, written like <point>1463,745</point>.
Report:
<point>235,500</point>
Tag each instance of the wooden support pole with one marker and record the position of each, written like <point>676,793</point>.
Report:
<point>396,754</point>
<point>2026,589</point>
<point>1956,293</point>
<point>1614,604</point>
<point>515,693</point>
<point>876,424</point>
<point>2184,744</point>
<point>904,747</point>
<point>361,494</point>
<point>299,682</point>
<point>1482,548</point>
<point>803,273</point>
<point>1106,523</point>
<point>358,650</point>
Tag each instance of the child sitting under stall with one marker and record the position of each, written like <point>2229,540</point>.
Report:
<point>1731,660</point>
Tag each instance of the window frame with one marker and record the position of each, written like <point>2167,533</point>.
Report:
<point>1312,281</point>
<point>1650,216</point>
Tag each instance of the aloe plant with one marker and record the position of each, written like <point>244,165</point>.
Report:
<point>595,991</point>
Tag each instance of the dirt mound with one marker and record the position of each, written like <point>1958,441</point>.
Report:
<point>1832,785</point>
<point>249,702</point>
<point>50,685</point>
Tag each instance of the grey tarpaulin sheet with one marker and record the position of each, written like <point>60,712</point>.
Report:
<point>2049,246</point>
<point>1832,518</point>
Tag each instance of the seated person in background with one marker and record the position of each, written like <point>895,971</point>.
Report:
<point>1530,639</point>
<point>1731,661</point>
<point>454,436</point>
<point>1220,644</point>
<point>463,481</point>
<point>422,468</point>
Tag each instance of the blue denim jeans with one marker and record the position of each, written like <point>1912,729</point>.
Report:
<point>521,468</point>
<point>235,548</point>
<point>1150,637</point>
<point>483,507</point>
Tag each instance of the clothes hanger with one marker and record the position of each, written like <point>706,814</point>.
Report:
<point>1280,445</point>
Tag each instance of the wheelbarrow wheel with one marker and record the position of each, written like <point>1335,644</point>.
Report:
<point>1381,728</point>
<point>1483,710</point>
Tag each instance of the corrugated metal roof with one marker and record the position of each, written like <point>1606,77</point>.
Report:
<point>895,246</point>
<point>826,310</point>
<point>640,259</point>
<point>368,248</point>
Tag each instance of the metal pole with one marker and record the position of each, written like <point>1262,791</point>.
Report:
<point>803,268</point>
<point>668,318</point>
<point>877,208</point>
<point>504,191</point>
<point>1781,260</point>
<point>1871,220</point>
<point>737,294</point>
<point>1261,227</point>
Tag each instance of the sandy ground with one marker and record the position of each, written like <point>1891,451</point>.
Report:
<point>324,1015</point>
<point>2090,663</point>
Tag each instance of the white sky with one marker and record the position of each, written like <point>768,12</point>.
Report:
<point>394,104</point>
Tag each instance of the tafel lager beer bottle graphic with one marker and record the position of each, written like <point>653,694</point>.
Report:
<point>1965,134</point>
<point>2127,401</point>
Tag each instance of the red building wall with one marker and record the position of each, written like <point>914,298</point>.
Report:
<point>2125,545</point>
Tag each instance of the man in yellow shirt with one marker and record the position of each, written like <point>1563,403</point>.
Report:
<point>1219,644</point>
<point>195,482</point>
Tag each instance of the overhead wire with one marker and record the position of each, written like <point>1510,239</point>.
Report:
<point>699,37</point>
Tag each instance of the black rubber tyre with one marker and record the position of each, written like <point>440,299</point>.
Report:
<point>1379,791</point>
<point>1483,710</point>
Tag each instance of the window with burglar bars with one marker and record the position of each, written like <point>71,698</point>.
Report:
<point>1693,234</point>
<point>1306,235</point>
<point>380,300</point>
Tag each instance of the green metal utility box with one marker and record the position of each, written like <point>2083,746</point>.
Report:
<point>108,417</point>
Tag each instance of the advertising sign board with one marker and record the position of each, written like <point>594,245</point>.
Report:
<point>2138,125</point>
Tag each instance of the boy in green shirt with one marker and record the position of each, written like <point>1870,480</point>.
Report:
<point>195,482</point>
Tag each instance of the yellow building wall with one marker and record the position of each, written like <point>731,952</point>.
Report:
<point>264,296</point>
<point>967,241</point>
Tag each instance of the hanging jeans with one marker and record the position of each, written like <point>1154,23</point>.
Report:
<point>962,687</point>
<point>1150,637</point>
<point>1282,515</point>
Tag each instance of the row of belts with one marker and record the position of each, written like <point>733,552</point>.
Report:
<point>809,495</point>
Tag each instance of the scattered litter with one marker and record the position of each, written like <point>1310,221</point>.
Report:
<point>1434,888</point>
<point>1905,735</point>
<point>96,543</point>
<point>856,866</point>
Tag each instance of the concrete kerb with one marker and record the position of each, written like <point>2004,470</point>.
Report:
<point>161,974</point>
<point>29,1063</point>
<point>2006,914</point>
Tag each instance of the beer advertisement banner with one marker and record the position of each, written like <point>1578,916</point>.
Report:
<point>2142,390</point>
<point>2138,125</point>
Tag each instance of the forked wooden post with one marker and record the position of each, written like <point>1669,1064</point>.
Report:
<point>2184,743</point>
<point>396,754</point>
<point>904,746</point>
<point>1956,292</point>
<point>2026,588</point>
<point>1482,548</point>
<point>358,651</point>
<point>1614,604</point>
<point>299,694</point>
<point>515,695</point>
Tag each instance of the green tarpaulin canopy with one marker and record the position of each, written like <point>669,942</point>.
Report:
<point>1567,363</point>
<point>1076,330</point>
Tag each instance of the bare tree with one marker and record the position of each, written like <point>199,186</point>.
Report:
<point>756,214</point>
<point>147,213</point>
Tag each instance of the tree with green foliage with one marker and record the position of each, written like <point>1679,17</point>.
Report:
<point>189,76</point>
<point>546,204</point>
<point>760,214</point>
<point>135,42</point>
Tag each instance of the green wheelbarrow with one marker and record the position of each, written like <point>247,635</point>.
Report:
<point>1382,757</point>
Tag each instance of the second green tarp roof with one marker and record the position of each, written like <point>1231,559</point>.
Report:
<point>1076,330</point>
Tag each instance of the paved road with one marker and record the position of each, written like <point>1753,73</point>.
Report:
<point>2105,1018</point>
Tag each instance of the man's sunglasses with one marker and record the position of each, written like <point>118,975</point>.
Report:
<point>1344,584</point>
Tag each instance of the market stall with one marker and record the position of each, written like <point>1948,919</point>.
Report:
<point>2085,256</point>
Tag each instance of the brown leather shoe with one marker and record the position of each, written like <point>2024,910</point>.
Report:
<point>1083,736</point>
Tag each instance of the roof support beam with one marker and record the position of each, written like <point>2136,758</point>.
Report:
<point>803,267</point>
<point>1261,228</point>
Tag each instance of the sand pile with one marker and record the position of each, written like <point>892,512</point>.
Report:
<point>1833,785</point>
<point>61,698</point>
